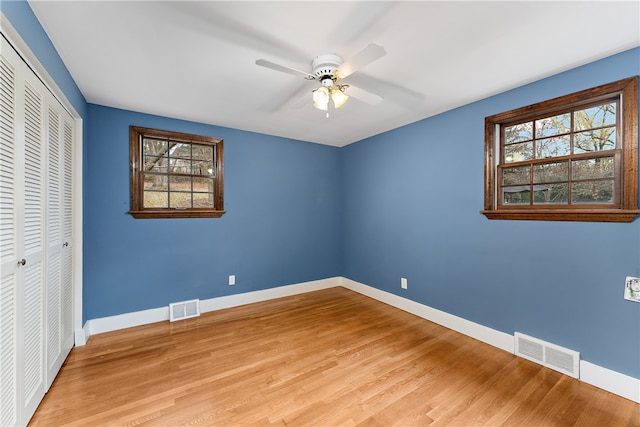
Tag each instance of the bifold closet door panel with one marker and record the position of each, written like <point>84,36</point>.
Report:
<point>23,238</point>
<point>68,140</point>
<point>31,293</point>
<point>9,261</point>
<point>59,210</point>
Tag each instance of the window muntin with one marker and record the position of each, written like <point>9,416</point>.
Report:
<point>175,174</point>
<point>570,158</point>
<point>537,143</point>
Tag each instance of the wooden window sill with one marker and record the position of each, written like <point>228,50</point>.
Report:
<point>177,213</point>
<point>585,215</point>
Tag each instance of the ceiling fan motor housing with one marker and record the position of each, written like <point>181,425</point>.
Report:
<point>325,66</point>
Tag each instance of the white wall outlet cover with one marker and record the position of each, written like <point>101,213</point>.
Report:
<point>632,289</point>
<point>232,280</point>
<point>403,283</point>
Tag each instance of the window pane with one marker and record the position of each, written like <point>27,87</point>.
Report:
<point>602,167</point>
<point>202,168</point>
<point>601,115</point>
<point>169,168</point>
<point>585,154</point>
<point>550,194</point>
<point>155,164</point>
<point>553,147</point>
<point>518,152</point>
<point>180,166</point>
<point>203,185</point>
<point>178,199</point>
<point>155,182</point>
<point>595,140</point>
<point>202,152</point>
<point>180,183</point>
<point>550,172</point>
<point>154,147</point>
<point>516,175</point>
<point>519,195</point>
<point>155,199</point>
<point>553,125</point>
<point>518,133</point>
<point>592,192</point>
<point>179,149</point>
<point>202,200</point>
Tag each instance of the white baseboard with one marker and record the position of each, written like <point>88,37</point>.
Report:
<point>612,381</point>
<point>267,294</point>
<point>606,379</point>
<point>126,320</point>
<point>80,336</point>
<point>137,318</point>
<point>474,330</point>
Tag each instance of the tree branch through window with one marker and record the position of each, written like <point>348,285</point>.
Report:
<point>175,175</point>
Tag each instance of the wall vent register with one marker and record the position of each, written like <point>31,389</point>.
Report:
<point>547,354</point>
<point>184,310</point>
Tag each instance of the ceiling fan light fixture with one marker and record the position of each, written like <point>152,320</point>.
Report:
<point>328,69</point>
<point>321,98</point>
<point>338,97</point>
<point>329,91</point>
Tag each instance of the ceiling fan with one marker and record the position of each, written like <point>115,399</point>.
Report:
<point>329,69</point>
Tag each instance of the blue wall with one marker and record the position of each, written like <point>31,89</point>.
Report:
<point>22,18</point>
<point>411,208</point>
<point>374,211</point>
<point>282,224</point>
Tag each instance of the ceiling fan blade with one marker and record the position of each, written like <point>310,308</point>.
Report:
<point>284,69</point>
<point>363,95</point>
<point>365,57</point>
<point>295,98</point>
<point>392,92</point>
<point>216,21</point>
<point>363,21</point>
<point>301,99</point>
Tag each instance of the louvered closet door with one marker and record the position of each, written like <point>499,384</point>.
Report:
<point>31,301</point>
<point>54,250</point>
<point>9,165</point>
<point>66,275</point>
<point>59,211</point>
<point>23,211</point>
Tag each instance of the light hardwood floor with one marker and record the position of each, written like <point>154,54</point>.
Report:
<point>326,358</point>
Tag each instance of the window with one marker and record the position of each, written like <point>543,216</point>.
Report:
<point>175,175</point>
<point>573,158</point>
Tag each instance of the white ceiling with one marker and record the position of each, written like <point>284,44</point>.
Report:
<point>196,60</point>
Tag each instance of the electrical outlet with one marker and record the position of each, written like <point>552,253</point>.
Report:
<point>632,289</point>
<point>403,283</point>
<point>232,280</point>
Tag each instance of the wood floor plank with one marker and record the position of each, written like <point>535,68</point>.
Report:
<point>326,358</point>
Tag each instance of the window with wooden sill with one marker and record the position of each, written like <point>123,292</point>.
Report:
<point>572,158</point>
<point>175,175</point>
